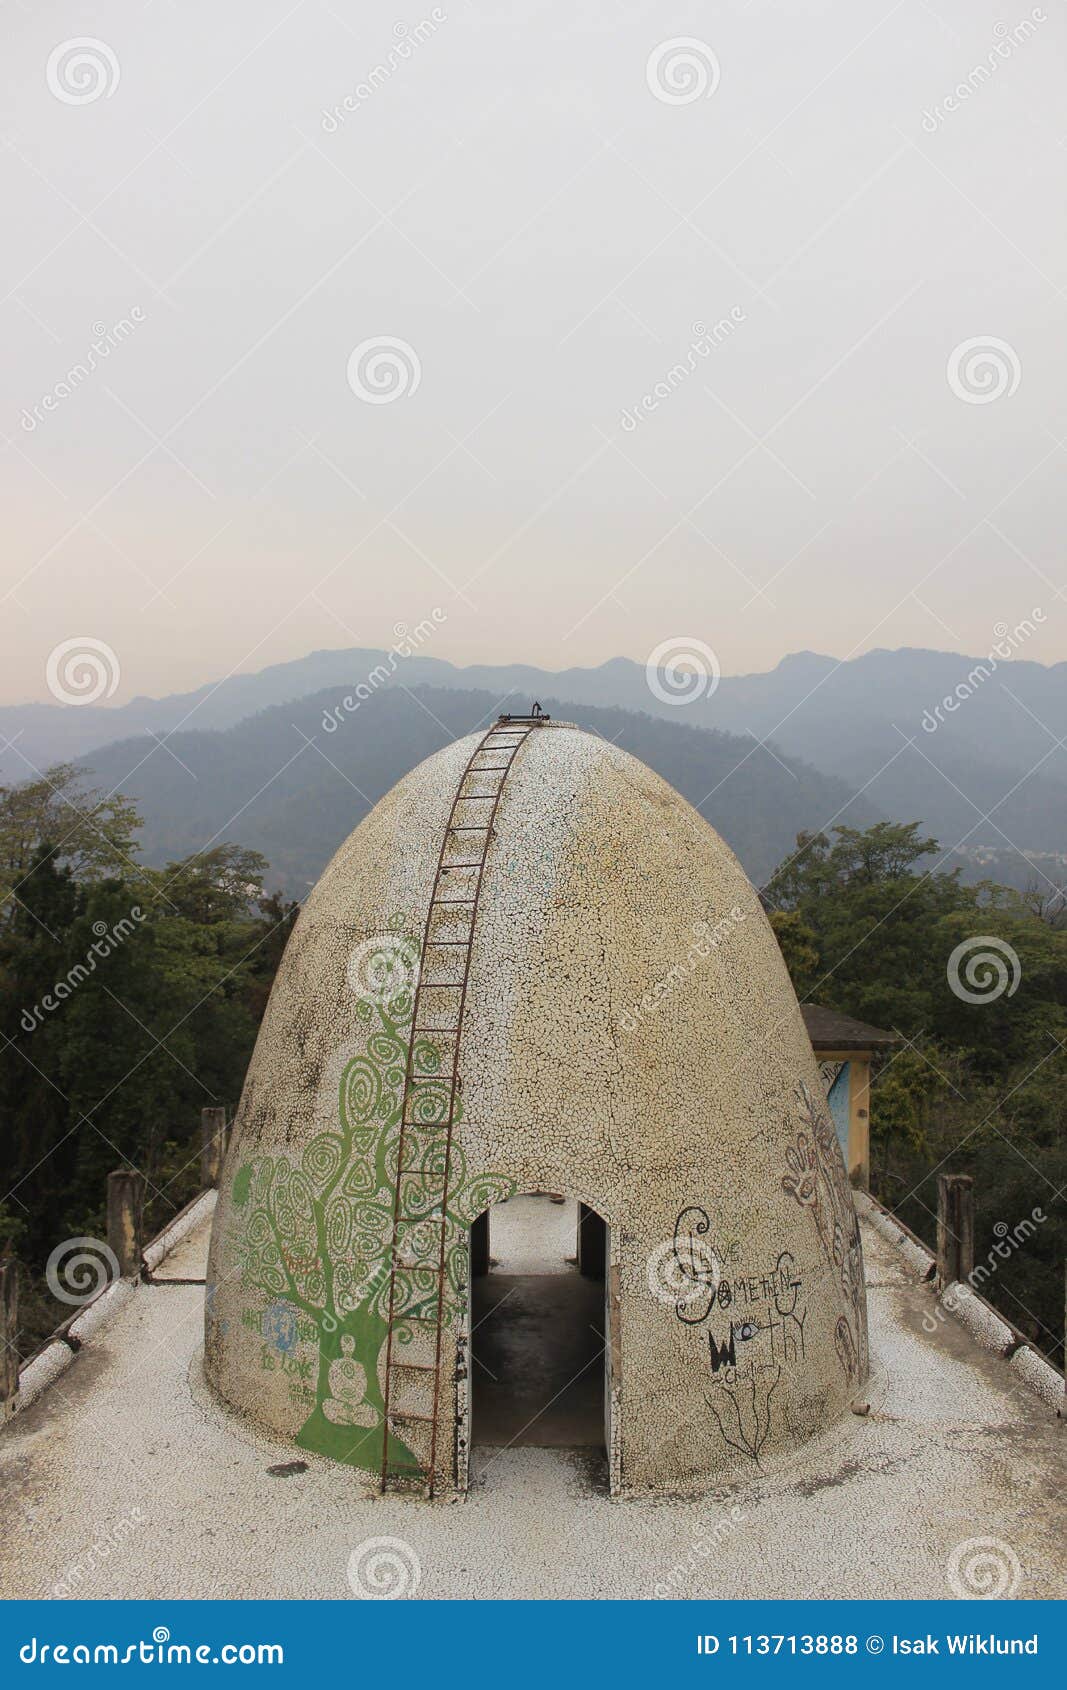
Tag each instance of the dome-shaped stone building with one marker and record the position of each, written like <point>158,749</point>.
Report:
<point>533,966</point>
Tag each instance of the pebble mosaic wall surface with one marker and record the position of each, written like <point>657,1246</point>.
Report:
<point>630,1038</point>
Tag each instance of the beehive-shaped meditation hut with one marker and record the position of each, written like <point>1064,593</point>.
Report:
<point>534,967</point>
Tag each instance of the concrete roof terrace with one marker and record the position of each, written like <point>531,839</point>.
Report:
<point>127,1478</point>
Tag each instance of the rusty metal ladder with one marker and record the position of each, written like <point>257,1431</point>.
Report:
<point>460,870</point>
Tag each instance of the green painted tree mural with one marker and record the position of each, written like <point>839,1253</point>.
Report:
<point>318,1237</point>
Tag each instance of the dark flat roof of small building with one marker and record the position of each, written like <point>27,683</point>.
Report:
<point>829,1030</point>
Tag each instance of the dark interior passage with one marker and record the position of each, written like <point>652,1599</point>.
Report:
<point>538,1360</point>
<point>537,1326</point>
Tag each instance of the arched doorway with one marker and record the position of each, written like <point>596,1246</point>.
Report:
<point>540,1345</point>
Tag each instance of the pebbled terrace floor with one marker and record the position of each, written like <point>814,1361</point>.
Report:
<point>127,1479</point>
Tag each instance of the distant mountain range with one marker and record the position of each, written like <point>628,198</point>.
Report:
<point>281,784</point>
<point>988,777</point>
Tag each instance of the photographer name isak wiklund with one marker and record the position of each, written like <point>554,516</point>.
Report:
<point>812,1643</point>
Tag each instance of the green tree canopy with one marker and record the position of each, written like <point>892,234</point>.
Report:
<point>974,980</point>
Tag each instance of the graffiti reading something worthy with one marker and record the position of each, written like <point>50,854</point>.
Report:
<point>754,1322</point>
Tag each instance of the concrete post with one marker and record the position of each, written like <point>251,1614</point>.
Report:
<point>125,1202</point>
<point>9,1326</point>
<point>212,1146</point>
<point>955,1228</point>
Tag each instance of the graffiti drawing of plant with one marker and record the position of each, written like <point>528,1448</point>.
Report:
<point>317,1238</point>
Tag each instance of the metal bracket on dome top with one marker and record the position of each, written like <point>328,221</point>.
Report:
<point>536,715</point>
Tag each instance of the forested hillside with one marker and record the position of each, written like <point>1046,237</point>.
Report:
<point>129,1000</point>
<point>297,778</point>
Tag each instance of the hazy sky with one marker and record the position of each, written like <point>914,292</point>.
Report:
<point>549,206</point>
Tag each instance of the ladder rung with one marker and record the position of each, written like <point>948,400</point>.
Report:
<point>414,1366</point>
<point>468,827</point>
<point>448,942</point>
<point>405,1414</point>
<point>440,985</point>
<point>425,1029</point>
<point>439,901</point>
<point>445,867</point>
